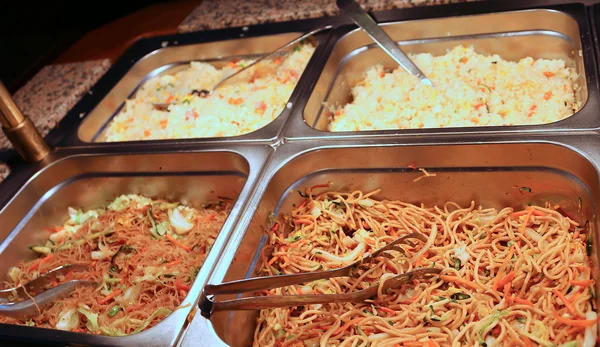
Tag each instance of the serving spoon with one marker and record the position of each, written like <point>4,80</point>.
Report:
<point>224,81</point>
<point>389,46</point>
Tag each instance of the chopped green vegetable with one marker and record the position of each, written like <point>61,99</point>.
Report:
<point>510,243</point>
<point>588,244</point>
<point>171,85</point>
<point>457,264</point>
<point>113,311</point>
<point>290,337</point>
<point>153,230</point>
<point>30,323</point>
<point>360,331</point>
<point>162,228</point>
<point>81,241</point>
<point>92,318</point>
<point>525,189</point>
<point>160,312</point>
<point>521,320</point>
<point>41,249</point>
<point>390,322</point>
<point>112,331</point>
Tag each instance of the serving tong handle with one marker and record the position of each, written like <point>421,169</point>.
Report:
<point>268,282</point>
<point>208,306</point>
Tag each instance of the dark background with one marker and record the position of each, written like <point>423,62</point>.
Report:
<point>34,33</point>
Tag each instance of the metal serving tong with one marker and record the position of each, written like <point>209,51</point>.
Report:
<point>36,294</point>
<point>368,24</point>
<point>224,81</point>
<point>208,305</point>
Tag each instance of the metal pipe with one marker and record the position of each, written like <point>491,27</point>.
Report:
<point>20,130</point>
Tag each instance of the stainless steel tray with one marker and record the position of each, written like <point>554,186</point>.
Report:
<point>559,170</point>
<point>263,165</point>
<point>549,32</point>
<point>90,181</point>
<point>164,55</point>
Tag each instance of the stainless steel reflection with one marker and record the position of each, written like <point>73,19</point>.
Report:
<point>90,181</point>
<point>559,171</point>
<point>169,60</point>
<point>539,33</point>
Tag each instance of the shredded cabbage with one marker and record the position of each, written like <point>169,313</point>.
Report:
<point>181,222</point>
<point>160,312</point>
<point>67,319</point>
<point>92,318</point>
<point>14,274</point>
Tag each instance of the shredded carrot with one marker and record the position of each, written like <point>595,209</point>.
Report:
<point>548,74</point>
<point>526,221</point>
<point>110,296</point>
<point>169,99</point>
<point>501,282</point>
<point>431,343</point>
<point>277,60</point>
<point>147,133</point>
<point>47,258</point>
<point>419,260</point>
<point>412,344</point>
<point>582,283</point>
<point>464,60</point>
<point>34,266</point>
<point>303,221</point>
<point>527,342</point>
<point>523,301</point>
<point>566,302</point>
<point>507,289</point>
<point>347,325</point>
<point>177,243</point>
<point>304,202</point>
<point>274,228</point>
<point>581,268</point>
<point>387,310</point>
<point>174,262</point>
<point>574,330</point>
<point>273,260</point>
<point>575,322</point>
<point>459,280</point>
<point>182,286</point>
<point>547,95</point>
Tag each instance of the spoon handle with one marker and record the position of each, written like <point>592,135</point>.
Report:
<point>368,24</point>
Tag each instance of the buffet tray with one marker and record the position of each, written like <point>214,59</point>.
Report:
<point>559,161</point>
<point>563,170</point>
<point>92,180</point>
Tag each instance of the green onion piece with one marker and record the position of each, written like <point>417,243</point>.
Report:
<point>153,230</point>
<point>521,320</point>
<point>113,311</point>
<point>460,296</point>
<point>457,264</point>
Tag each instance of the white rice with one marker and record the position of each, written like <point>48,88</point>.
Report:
<point>470,90</point>
<point>252,101</point>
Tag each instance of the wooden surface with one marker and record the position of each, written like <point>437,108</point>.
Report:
<point>111,40</point>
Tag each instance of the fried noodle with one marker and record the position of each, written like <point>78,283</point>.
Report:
<point>510,278</point>
<point>144,254</point>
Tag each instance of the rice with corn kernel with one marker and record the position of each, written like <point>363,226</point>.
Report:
<point>254,99</point>
<point>470,89</point>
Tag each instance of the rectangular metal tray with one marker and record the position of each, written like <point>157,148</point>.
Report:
<point>91,181</point>
<point>85,124</point>
<point>486,173</point>
<point>551,32</point>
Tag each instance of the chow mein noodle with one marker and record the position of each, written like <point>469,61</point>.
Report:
<point>510,277</point>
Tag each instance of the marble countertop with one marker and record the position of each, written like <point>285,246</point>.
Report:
<point>219,14</point>
<point>51,93</point>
